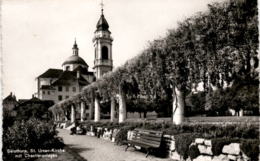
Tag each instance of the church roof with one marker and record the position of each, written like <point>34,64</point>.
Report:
<point>51,73</point>
<point>102,24</point>
<point>35,100</point>
<point>83,70</point>
<point>67,77</point>
<point>74,59</point>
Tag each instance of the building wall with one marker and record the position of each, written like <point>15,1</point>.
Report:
<point>60,92</point>
<point>46,94</point>
<point>102,66</point>
<point>44,81</point>
<point>101,70</point>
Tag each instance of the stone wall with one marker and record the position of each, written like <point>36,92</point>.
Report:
<point>231,152</point>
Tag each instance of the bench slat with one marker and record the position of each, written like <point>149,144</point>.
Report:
<point>148,137</point>
<point>149,131</point>
<point>157,144</point>
<point>149,134</point>
<point>152,135</point>
<point>143,144</point>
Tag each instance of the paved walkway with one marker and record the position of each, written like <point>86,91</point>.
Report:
<point>94,149</point>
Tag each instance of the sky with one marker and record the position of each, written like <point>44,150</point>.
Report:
<point>39,34</point>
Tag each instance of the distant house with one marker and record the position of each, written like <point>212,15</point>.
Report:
<point>14,108</point>
<point>33,107</point>
<point>9,104</point>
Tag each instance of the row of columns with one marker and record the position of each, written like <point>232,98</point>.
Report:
<point>95,105</point>
<point>178,108</point>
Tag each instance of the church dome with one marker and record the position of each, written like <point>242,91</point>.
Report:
<point>75,59</point>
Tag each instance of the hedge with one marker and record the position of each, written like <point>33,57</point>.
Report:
<point>183,142</point>
<point>246,131</point>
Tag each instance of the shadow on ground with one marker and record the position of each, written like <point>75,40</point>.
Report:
<point>75,150</point>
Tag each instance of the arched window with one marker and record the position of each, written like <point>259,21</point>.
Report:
<point>67,68</point>
<point>104,52</point>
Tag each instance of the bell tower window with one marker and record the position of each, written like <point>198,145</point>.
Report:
<point>104,52</point>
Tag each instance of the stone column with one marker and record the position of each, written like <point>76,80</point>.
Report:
<point>73,114</point>
<point>97,110</point>
<point>122,106</point>
<point>82,111</point>
<point>112,110</point>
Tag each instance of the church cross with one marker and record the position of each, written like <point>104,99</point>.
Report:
<point>102,6</point>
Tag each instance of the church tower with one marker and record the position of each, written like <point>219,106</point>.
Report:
<point>102,40</point>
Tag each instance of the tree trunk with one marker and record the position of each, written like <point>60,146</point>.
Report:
<point>112,110</point>
<point>145,114</point>
<point>122,105</point>
<point>178,106</point>
<point>82,111</point>
<point>91,107</point>
<point>72,114</point>
<point>140,114</point>
<point>65,115</point>
<point>54,117</point>
<point>97,110</point>
<point>241,112</point>
<point>58,117</point>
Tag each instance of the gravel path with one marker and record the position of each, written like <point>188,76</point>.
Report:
<point>94,149</point>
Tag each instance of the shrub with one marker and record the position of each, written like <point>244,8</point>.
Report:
<point>121,136</point>
<point>183,142</point>
<point>32,134</point>
<point>193,151</point>
<point>250,148</point>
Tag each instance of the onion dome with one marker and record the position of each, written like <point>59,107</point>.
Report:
<point>102,24</point>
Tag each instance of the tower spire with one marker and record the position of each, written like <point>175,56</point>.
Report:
<point>75,48</point>
<point>102,24</point>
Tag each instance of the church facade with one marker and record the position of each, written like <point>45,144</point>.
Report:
<point>60,84</point>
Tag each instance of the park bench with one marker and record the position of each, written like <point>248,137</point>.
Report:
<point>146,139</point>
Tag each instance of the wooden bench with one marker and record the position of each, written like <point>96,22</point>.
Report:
<point>146,139</point>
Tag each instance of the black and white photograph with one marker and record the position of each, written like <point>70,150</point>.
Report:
<point>130,80</point>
